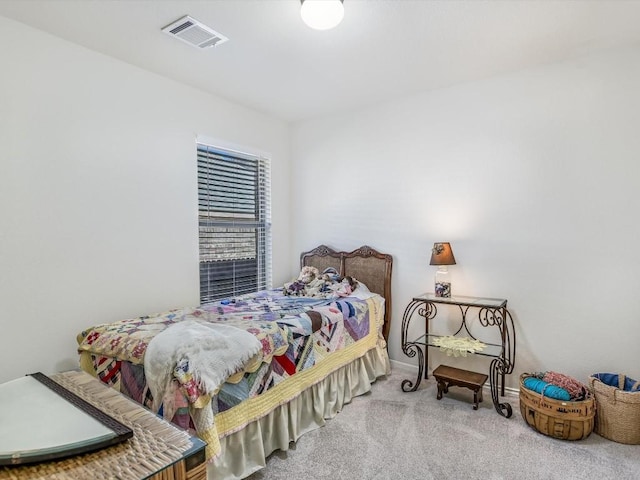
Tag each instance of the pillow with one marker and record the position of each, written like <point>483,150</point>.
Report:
<point>362,292</point>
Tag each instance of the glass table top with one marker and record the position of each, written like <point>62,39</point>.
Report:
<point>38,423</point>
<point>464,300</point>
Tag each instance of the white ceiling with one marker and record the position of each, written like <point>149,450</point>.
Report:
<point>383,49</point>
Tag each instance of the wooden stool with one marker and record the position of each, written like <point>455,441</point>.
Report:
<point>451,376</point>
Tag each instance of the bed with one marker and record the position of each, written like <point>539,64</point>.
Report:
<point>307,355</point>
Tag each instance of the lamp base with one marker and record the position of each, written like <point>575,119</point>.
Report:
<point>443,283</point>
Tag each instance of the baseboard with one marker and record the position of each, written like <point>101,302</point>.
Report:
<point>507,390</point>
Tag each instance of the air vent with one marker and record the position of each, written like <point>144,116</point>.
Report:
<point>191,31</point>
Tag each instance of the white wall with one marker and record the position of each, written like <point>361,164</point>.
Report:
<point>533,177</point>
<point>98,194</point>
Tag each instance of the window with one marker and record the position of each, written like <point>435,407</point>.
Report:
<point>234,216</point>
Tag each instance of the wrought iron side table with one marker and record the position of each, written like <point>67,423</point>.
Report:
<point>492,312</point>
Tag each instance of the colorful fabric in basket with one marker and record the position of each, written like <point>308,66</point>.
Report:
<point>577,390</point>
<point>546,389</point>
<point>613,380</point>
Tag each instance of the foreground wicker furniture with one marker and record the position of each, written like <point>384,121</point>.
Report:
<point>157,451</point>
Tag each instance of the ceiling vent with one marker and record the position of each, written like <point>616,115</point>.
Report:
<point>191,31</point>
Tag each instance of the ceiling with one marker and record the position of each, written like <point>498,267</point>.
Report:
<point>383,49</point>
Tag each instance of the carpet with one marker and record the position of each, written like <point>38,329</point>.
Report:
<point>390,434</point>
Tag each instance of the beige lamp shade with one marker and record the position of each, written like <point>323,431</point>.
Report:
<point>441,254</point>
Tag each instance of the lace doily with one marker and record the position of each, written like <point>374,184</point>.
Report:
<point>458,346</point>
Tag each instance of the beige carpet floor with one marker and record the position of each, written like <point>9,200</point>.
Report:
<point>390,434</point>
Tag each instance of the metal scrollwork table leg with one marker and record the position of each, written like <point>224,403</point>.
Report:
<point>411,349</point>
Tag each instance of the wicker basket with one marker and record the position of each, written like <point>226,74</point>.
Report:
<point>618,414</point>
<point>557,418</point>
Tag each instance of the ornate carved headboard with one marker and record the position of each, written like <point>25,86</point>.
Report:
<point>364,264</point>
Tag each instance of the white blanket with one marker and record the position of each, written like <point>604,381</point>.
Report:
<point>214,353</point>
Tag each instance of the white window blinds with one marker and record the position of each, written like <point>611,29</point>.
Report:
<point>234,216</point>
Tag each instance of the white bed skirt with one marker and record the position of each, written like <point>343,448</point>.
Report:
<point>246,451</point>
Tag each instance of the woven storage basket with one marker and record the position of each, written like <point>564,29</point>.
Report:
<point>618,414</point>
<point>557,418</point>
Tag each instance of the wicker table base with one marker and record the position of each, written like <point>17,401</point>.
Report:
<point>157,451</point>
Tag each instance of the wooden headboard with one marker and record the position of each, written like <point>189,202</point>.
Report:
<point>364,264</point>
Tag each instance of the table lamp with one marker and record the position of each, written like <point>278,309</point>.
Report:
<point>442,256</point>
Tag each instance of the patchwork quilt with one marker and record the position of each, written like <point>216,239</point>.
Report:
<point>303,340</point>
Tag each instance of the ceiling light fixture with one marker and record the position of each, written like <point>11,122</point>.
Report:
<point>322,14</point>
